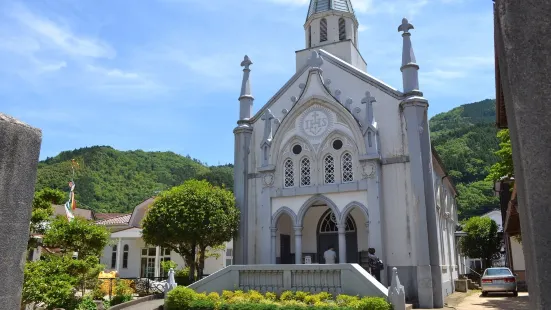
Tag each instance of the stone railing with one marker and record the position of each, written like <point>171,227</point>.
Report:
<point>350,279</point>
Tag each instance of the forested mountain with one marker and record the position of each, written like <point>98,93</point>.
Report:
<point>108,180</point>
<point>465,138</point>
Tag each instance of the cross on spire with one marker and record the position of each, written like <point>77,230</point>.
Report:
<point>368,101</point>
<point>315,60</point>
<point>246,62</point>
<point>405,26</point>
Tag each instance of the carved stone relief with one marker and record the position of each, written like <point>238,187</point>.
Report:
<point>268,180</point>
<point>368,170</point>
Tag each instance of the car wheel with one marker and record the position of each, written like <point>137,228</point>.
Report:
<point>484,294</point>
<point>515,293</point>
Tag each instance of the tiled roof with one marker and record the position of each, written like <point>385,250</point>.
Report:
<point>87,214</point>
<point>119,220</point>
<point>317,6</point>
<point>105,216</point>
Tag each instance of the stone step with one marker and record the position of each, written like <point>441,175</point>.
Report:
<point>409,307</point>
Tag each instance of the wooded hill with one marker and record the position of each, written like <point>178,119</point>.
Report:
<point>109,180</point>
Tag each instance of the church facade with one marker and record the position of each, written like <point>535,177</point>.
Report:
<point>337,158</point>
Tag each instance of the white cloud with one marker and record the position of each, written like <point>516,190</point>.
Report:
<point>53,35</point>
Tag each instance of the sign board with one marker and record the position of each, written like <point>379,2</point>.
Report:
<point>307,259</point>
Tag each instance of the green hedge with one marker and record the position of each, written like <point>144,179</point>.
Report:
<point>183,298</point>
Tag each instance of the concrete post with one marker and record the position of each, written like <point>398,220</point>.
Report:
<point>342,243</point>
<point>19,153</point>
<point>273,251</point>
<point>157,262</point>
<point>298,245</point>
<point>523,45</point>
<point>118,257</point>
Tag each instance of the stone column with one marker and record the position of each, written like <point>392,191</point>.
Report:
<point>157,261</point>
<point>298,245</point>
<point>522,39</point>
<point>274,235</point>
<point>19,152</point>
<point>118,258</point>
<point>342,243</point>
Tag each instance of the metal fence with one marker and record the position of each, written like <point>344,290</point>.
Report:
<point>141,286</point>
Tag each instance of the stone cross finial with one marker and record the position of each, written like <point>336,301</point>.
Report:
<point>315,60</point>
<point>267,117</point>
<point>246,62</point>
<point>396,292</point>
<point>405,26</point>
<point>368,101</point>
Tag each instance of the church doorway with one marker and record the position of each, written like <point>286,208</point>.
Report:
<point>285,249</point>
<point>327,235</point>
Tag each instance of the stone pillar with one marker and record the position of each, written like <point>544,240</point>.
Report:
<point>19,153</point>
<point>342,243</point>
<point>157,261</point>
<point>298,245</point>
<point>522,39</point>
<point>118,257</point>
<point>273,252</point>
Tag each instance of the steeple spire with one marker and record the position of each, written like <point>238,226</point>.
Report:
<point>410,69</point>
<point>318,6</point>
<point>246,99</point>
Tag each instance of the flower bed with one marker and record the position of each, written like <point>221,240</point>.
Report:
<point>182,298</point>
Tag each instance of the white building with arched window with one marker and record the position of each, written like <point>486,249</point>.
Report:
<point>339,158</point>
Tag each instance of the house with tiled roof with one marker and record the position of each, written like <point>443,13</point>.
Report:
<point>130,257</point>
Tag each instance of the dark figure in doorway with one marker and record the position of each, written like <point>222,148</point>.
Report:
<point>375,264</point>
<point>330,256</point>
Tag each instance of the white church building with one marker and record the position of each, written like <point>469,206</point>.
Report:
<point>339,158</point>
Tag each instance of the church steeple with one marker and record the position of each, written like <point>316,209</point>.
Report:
<point>331,25</point>
<point>330,21</point>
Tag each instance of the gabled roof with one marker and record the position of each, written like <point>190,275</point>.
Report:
<point>318,6</point>
<point>336,61</point>
<point>119,220</point>
<point>105,216</point>
<point>87,214</point>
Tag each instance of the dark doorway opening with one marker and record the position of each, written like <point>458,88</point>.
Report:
<point>285,249</point>
<point>328,234</point>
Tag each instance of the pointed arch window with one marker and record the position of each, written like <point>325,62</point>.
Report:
<point>309,36</point>
<point>329,169</point>
<point>125,256</point>
<point>305,172</point>
<point>329,223</point>
<point>323,30</point>
<point>114,257</point>
<point>342,29</point>
<point>289,173</point>
<point>347,168</point>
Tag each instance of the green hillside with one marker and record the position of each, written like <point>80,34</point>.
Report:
<point>114,181</point>
<point>465,138</point>
<point>108,180</point>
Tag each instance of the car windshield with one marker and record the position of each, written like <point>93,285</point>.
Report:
<point>498,272</point>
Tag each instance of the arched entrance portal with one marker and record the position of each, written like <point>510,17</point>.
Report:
<point>327,235</point>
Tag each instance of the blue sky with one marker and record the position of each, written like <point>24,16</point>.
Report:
<point>164,75</point>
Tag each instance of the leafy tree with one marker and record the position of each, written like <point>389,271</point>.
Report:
<point>482,239</point>
<point>191,218</point>
<point>79,235</point>
<point>476,198</point>
<point>42,210</point>
<point>504,167</point>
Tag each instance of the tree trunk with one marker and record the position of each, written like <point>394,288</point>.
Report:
<point>192,265</point>
<point>202,255</point>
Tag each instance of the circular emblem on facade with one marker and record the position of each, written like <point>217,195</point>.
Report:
<point>316,122</point>
<point>268,179</point>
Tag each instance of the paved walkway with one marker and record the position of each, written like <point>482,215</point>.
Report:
<point>493,301</point>
<point>148,305</point>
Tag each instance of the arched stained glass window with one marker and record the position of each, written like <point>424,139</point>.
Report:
<point>289,174</point>
<point>329,223</point>
<point>305,172</point>
<point>347,168</point>
<point>329,169</point>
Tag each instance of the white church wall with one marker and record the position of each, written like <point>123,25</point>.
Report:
<point>518,255</point>
<point>285,227</point>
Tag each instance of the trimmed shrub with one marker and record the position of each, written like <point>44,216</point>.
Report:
<point>271,296</point>
<point>372,303</point>
<point>204,304</point>
<point>180,298</point>
<point>300,296</point>
<point>346,300</point>
<point>287,295</point>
